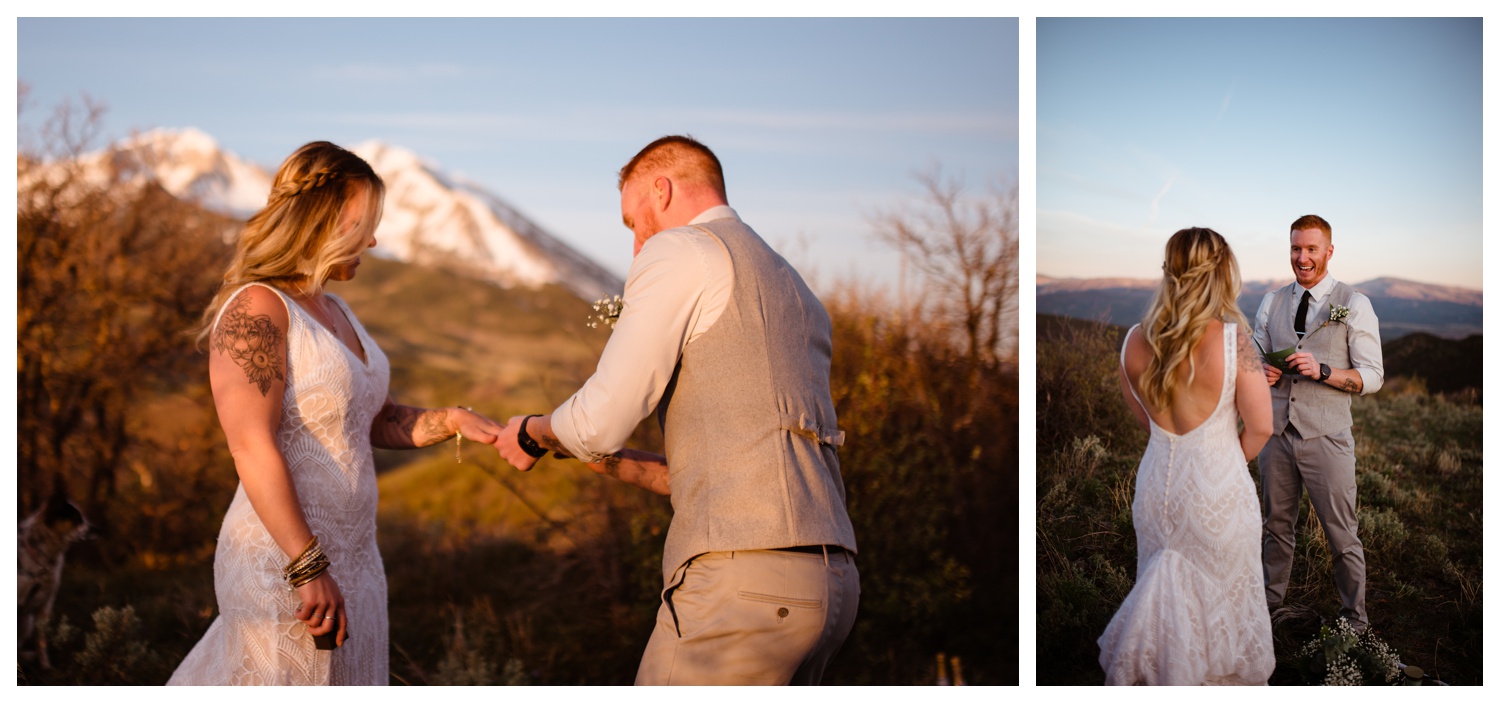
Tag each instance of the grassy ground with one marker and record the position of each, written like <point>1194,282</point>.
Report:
<point>1420,464</point>
<point>553,577</point>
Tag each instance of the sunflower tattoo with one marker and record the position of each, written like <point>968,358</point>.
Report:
<point>253,342</point>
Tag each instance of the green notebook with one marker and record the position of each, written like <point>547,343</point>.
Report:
<point>1277,359</point>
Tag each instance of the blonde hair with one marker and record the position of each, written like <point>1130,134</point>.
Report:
<point>682,158</point>
<point>293,242</point>
<point>1200,284</point>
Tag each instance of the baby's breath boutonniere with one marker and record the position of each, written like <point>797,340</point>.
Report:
<point>606,311</point>
<point>1337,313</point>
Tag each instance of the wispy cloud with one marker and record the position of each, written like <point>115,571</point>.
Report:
<point>1156,201</point>
<point>370,72</point>
<point>954,123</point>
<point>930,123</point>
<point>1224,106</point>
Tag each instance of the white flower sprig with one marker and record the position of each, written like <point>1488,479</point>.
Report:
<point>606,311</point>
<point>1337,313</point>
<point>1339,656</point>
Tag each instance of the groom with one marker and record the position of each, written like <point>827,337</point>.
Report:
<point>1338,355</point>
<point>724,340</point>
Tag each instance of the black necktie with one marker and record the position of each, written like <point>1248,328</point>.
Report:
<point>1301,325</point>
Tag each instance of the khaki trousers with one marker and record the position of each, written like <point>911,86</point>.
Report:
<point>1325,465</point>
<point>763,617</point>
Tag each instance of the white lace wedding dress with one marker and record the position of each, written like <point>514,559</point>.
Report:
<point>331,398</point>
<point>1197,614</point>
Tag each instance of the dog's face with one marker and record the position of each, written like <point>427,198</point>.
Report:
<point>64,520</point>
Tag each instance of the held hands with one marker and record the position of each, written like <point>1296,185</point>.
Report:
<point>473,426</point>
<point>322,608</point>
<point>508,443</point>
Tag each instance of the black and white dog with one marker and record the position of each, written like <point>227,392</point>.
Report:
<point>42,540</point>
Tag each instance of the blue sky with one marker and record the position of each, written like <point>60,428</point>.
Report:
<point>819,123</point>
<point>1146,126</point>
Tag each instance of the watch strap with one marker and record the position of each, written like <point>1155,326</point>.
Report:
<point>528,444</point>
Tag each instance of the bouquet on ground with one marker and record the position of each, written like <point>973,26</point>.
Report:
<point>1339,656</point>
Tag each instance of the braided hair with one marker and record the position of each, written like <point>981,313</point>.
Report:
<point>294,242</point>
<point>1200,284</point>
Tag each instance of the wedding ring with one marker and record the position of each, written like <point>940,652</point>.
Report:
<point>327,617</point>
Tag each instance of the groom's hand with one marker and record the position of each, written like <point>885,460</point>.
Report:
<point>1273,374</point>
<point>509,445</point>
<point>1305,364</point>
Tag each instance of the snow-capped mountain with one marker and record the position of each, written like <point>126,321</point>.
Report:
<point>429,218</point>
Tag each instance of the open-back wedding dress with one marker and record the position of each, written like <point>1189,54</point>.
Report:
<point>331,398</point>
<point>1197,614</point>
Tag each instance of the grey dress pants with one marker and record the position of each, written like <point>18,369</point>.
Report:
<point>1325,466</point>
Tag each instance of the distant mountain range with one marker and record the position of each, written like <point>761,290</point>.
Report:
<point>1404,307</point>
<point>430,218</point>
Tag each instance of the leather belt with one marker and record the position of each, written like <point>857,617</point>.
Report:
<point>813,549</point>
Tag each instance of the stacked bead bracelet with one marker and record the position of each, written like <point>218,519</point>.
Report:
<point>308,565</point>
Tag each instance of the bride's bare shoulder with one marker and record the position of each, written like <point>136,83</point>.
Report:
<point>1136,351</point>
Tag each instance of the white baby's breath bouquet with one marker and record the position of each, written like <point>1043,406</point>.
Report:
<point>606,311</point>
<point>1339,656</point>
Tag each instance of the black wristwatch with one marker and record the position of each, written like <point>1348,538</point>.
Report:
<point>1323,373</point>
<point>528,444</point>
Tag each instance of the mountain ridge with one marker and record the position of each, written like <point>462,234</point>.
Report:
<point>1403,307</point>
<point>430,218</point>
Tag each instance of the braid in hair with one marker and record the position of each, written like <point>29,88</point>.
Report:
<point>1200,284</point>
<point>294,242</point>
<point>297,186</point>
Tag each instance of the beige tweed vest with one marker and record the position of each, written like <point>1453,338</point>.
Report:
<point>748,418</point>
<point>1315,409</point>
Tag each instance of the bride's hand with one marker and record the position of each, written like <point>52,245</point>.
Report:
<point>323,607</point>
<point>473,426</point>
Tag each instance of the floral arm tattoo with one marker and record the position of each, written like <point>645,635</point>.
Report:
<point>253,342</point>
<point>405,427</point>
<point>1249,357</point>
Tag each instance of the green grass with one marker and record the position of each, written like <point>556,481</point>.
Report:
<point>1420,465</point>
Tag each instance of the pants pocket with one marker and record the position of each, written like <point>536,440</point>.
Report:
<point>780,600</point>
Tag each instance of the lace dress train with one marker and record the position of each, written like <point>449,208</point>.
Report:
<point>1197,613</point>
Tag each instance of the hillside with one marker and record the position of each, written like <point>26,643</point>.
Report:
<point>1444,365</point>
<point>1404,307</point>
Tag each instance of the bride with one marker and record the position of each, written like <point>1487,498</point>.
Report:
<point>1189,372</point>
<point>300,390</point>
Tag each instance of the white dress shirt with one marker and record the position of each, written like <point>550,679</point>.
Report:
<point>1364,329</point>
<point>678,286</point>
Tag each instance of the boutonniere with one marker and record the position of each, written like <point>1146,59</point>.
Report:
<point>1337,313</point>
<point>606,311</point>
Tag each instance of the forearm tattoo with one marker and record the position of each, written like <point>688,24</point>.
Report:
<point>1352,385</point>
<point>551,444</point>
<point>432,427</point>
<point>611,465</point>
<point>253,342</point>
<point>415,426</point>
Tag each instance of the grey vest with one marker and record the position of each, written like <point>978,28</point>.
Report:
<point>748,418</point>
<point>1315,409</point>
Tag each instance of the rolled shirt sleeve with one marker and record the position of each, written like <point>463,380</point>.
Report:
<point>663,310</point>
<point>1262,330</point>
<point>1364,344</point>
